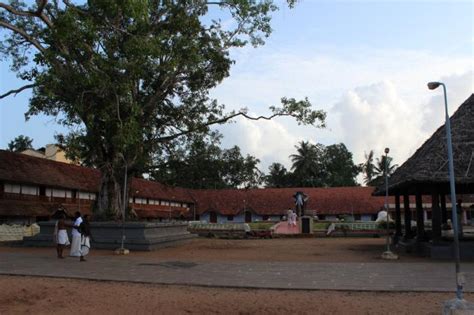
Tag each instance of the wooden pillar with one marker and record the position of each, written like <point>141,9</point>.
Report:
<point>420,223</point>
<point>407,212</point>
<point>435,217</point>
<point>398,218</point>
<point>444,212</point>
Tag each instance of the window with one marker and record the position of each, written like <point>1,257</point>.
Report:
<point>86,195</point>
<point>230,218</point>
<point>265,218</point>
<point>13,189</point>
<point>29,190</point>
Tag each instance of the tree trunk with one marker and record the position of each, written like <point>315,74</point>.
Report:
<point>109,203</point>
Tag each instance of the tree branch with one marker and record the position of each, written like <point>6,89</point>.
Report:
<point>38,13</point>
<point>28,86</point>
<point>220,121</point>
<point>24,35</point>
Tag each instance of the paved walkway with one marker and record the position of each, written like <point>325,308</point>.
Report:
<point>284,228</point>
<point>383,276</point>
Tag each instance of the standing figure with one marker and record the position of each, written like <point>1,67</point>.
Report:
<point>289,216</point>
<point>76,236</point>
<point>294,218</point>
<point>60,236</point>
<point>85,237</point>
<point>300,202</point>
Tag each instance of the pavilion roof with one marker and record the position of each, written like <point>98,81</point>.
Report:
<point>428,166</point>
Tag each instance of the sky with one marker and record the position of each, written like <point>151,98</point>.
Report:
<point>366,63</point>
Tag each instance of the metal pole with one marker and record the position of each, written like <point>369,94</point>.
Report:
<point>459,293</point>
<point>386,197</point>
<point>124,204</point>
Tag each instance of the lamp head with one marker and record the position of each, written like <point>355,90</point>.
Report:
<point>387,150</point>
<point>433,85</point>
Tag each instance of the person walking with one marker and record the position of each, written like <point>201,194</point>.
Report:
<point>76,236</point>
<point>85,237</point>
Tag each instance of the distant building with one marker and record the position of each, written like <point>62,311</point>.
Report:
<point>32,189</point>
<point>50,152</point>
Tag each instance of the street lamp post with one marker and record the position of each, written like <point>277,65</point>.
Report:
<point>388,254</point>
<point>386,196</point>
<point>459,277</point>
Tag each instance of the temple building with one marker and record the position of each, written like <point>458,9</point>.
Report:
<point>33,188</point>
<point>425,176</point>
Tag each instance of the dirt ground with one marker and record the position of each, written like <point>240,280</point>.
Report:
<point>263,250</point>
<point>25,295</point>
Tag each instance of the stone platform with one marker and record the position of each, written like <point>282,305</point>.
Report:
<point>141,236</point>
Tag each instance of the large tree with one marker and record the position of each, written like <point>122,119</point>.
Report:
<point>308,165</point>
<point>340,167</point>
<point>20,143</point>
<point>278,176</point>
<point>131,76</point>
<point>201,163</point>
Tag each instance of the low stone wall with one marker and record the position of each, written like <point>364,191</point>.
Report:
<point>141,236</point>
<point>16,232</point>
<point>220,230</point>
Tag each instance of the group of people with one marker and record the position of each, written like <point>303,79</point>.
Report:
<point>80,233</point>
<point>291,217</point>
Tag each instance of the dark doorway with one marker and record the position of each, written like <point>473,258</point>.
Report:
<point>248,216</point>
<point>213,217</point>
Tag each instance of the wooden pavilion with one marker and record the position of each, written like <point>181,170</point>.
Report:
<point>425,174</point>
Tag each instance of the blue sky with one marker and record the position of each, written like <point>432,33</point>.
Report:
<point>365,62</point>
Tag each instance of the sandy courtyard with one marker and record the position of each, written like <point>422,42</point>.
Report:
<point>25,295</point>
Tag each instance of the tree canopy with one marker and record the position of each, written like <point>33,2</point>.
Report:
<point>20,143</point>
<point>201,163</point>
<point>129,77</point>
<point>315,165</point>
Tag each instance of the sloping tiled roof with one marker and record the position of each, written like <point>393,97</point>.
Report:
<point>150,189</point>
<point>276,201</point>
<point>429,164</point>
<point>21,168</point>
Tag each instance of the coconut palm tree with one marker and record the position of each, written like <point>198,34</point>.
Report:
<point>379,167</point>
<point>308,164</point>
<point>368,167</point>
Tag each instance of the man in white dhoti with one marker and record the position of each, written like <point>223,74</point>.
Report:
<point>76,236</point>
<point>60,236</point>
<point>85,237</point>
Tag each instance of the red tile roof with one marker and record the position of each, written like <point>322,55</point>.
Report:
<point>276,201</point>
<point>21,168</point>
<point>154,190</point>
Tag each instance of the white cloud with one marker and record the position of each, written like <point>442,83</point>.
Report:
<point>374,98</point>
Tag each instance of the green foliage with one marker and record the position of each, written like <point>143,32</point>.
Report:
<point>201,163</point>
<point>379,170</point>
<point>20,143</point>
<point>315,165</point>
<point>368,167</point>
<point>261,225</point>
<point>278,177</point>
<point>131,77</point>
